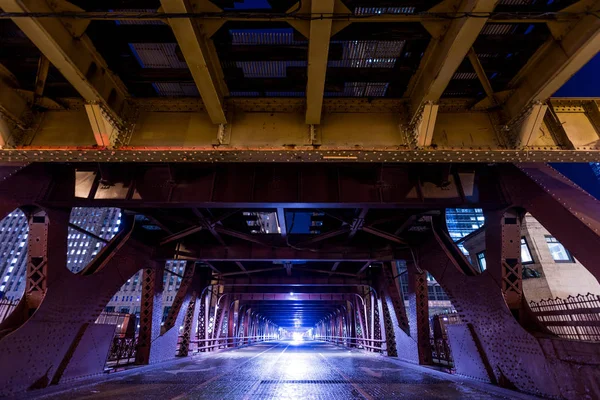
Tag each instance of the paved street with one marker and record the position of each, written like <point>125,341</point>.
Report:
<point>282,370</point>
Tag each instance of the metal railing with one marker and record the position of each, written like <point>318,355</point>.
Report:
<point>357,342</point>
<point>440,352</point>
<point>576,317</point>
<point>122,352</point>
<point>6,307</point>
<point>227,342</point>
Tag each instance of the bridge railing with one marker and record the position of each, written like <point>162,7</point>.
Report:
<point>123,349</point>
<point>204,345</point>
<point>440,352</point>
<point>6,307</point>
<point>576,317</point>
<point>375,345</point>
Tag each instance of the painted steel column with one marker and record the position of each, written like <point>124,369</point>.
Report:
<point>351,322</point>
<point>232,322</point>
<point>46,253</point>
<point>372,304</point>
<point>220,317</point>
<point>188,324</point>
<point>151,311</point>
<point>503,254</point>
<point>418,303</point>
<point>362,315</point>
<point>247,322</point>
<point>382,328</point>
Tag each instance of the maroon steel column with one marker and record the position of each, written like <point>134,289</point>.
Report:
<point>232,322</point>
<point>351,319</point>
<point>188,324</point>
<point>151,311</point>
<point>503,254</point>
<point>361,311</point>
<point>418,303</point>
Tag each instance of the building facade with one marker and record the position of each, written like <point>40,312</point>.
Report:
<point>549,269</point>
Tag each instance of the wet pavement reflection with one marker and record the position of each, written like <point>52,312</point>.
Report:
<point>280,370</point>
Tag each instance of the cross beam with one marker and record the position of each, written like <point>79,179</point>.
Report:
<point>442,59</point>
<point>318,51</point>
<point>195,51</point>
<point>553,65</point>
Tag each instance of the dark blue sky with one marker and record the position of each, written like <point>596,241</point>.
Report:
<point>584,83</point>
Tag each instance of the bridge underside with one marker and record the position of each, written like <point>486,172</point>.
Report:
<point>297,158</point>
<point>286,248</point>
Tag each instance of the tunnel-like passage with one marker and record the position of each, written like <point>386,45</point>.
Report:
<point>284,370</point>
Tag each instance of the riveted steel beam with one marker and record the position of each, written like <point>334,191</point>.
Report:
<point>167,131</point>
<point>318,51</point>
<point>14,108</point>
<point>445,54</point>
<point>552,66</point>
<point>81,65</point>
<point>366,185</point>
<point>194,46</point>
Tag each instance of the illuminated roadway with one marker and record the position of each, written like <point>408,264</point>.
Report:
<point>281,370</point>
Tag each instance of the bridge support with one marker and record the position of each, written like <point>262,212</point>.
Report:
<point>151,311</point>
<point>493,343</point>
<point>418,304</point>
<point>60,339</point>
<point>399,342</point>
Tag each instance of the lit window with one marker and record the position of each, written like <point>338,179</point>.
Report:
<point>525,253</point>
<point>558,251</point>
<point>481,261</point>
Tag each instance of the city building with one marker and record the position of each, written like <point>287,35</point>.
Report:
<point>81,249</point>
<point>463,221</point>
<point>549,269</point>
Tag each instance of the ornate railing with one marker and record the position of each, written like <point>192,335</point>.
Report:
<point>122,352</point>
<point>576,317</point>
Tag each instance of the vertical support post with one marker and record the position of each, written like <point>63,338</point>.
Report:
<point>220,317</point>
<point>188,324</point>
<point>362,315</point>
<point>37,259</point>
<point>503,254</point>
<point>151,311</point>
<point>232,321</point>
<point>372,304</point>
<point>351,319</point>
<point>418,303</point>
<point>384,344</point>
<point>247,317</point>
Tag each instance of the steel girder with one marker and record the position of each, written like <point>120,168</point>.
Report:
<point>137,186</point>
<point>74,55</point>
<point>274,130</point>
